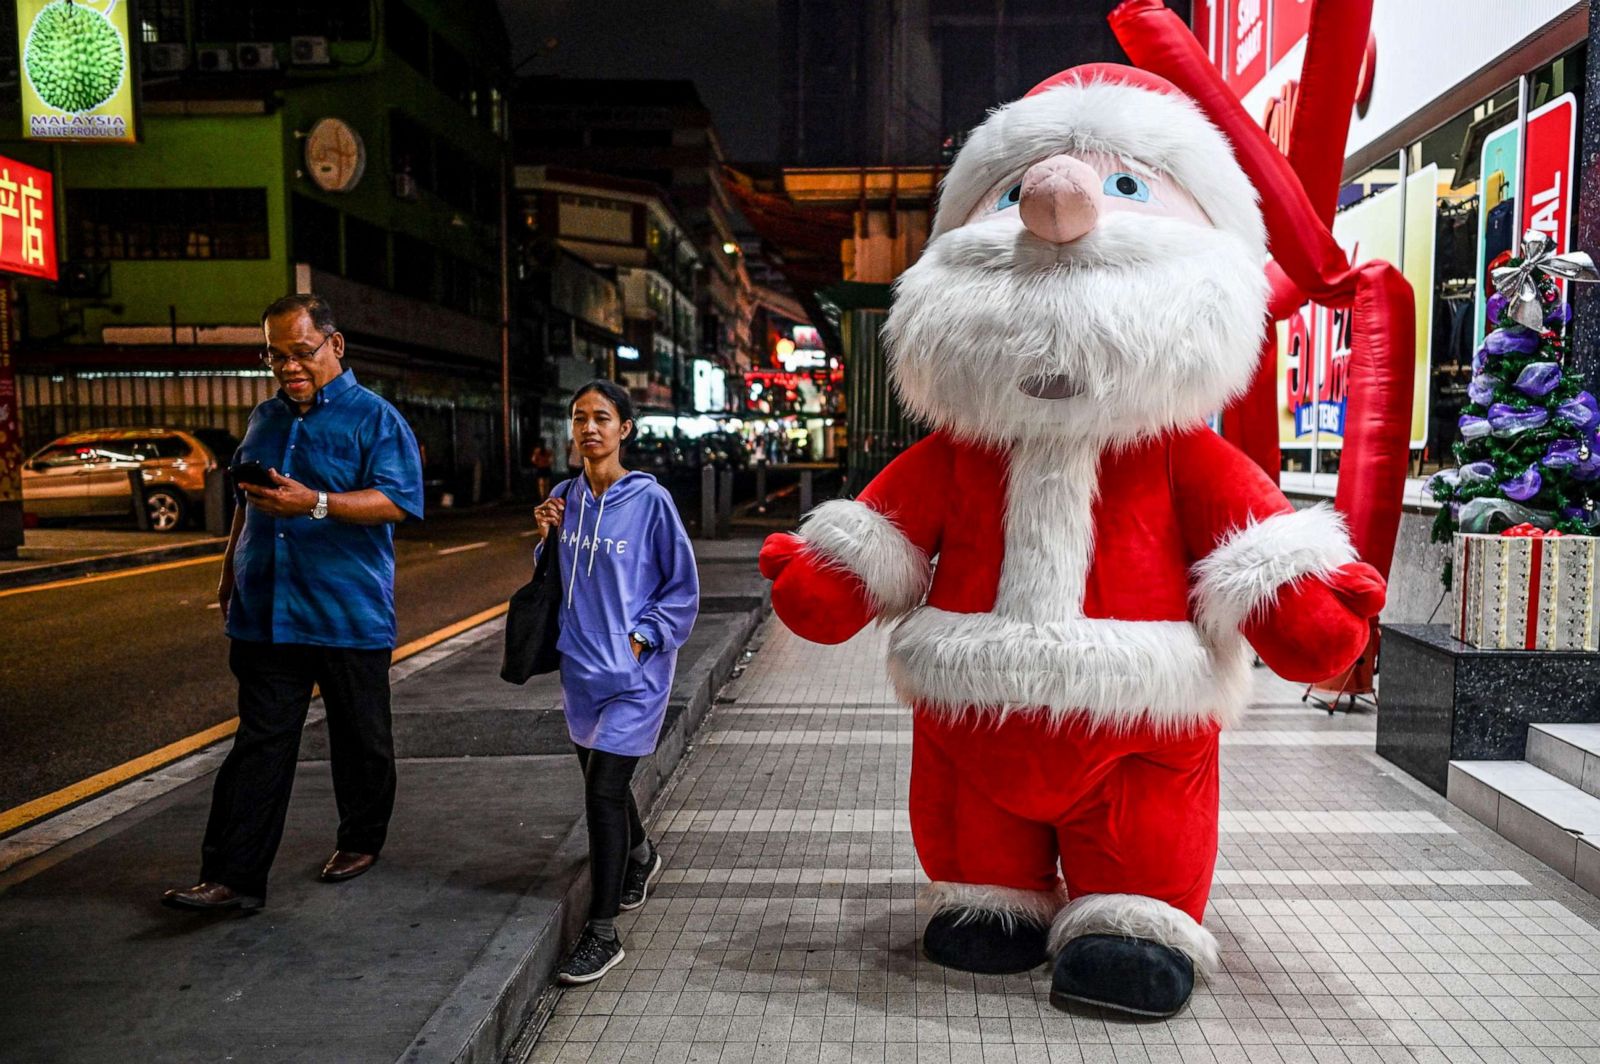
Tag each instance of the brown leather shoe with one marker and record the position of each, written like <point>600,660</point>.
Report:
<point>346,865</point>
<point>210,896</point>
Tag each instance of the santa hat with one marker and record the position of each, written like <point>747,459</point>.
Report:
<point>1111,108</point>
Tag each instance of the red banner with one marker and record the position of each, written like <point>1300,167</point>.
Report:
<point>1246,44</point>
<point>27,220</point>
<point>1291,21</point>
<point>10,423</point>
<point>1547,185</point>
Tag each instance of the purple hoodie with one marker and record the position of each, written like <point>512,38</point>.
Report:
<point>626,566</point>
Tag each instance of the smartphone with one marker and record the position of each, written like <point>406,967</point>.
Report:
<point>251,473</point>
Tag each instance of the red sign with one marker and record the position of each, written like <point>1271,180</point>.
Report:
<point>27,220</point>
<point>1547,171</point>
<point>1291,21</point>
<point>1246,41</point>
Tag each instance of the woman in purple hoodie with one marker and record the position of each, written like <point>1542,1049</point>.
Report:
<point>631,593</point>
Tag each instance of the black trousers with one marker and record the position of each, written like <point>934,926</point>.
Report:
<point>614,826</point>
<point>251,796</point>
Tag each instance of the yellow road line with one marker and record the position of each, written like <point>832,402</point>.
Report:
<point>16,817</point>
<point>95,578</point>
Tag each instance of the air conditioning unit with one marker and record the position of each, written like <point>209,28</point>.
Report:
<point>166,58</point>
<point>309,51</point>
<point>255,55</point>
<point>405,186</point>
<point>214,60</point>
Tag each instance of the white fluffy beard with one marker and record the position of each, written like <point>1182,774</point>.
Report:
<point>1156,322</point>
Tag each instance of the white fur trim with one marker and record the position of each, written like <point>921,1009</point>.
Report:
<point>856,538</point>
<point>1139,917</point>
<point>1008,903</point>
<point>1161,130</point>
<point>1245,571</point>
<point>1049,528</point>
<point>1114,673</point>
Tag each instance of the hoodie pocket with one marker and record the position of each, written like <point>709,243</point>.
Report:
<point>602,661</point>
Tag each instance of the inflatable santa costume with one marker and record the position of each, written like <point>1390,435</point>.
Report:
<point>1076,567</point>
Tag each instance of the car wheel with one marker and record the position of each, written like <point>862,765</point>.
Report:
<point>166,509</point>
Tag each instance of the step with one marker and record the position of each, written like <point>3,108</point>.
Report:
<point>1535,810</point>
<point>1570,752</point>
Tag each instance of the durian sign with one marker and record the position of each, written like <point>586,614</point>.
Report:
<point>77,74</point>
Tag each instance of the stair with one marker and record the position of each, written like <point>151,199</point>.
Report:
<point>1549,805</point>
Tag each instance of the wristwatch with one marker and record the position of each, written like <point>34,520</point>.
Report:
<point>319,511</point>
<point>641,640</point>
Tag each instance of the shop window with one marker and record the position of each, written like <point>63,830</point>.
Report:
<point>159,21</point>
<point>168,223</point>
<point>413,267</point>
<point>366,252</point>
<point>411,149</point>
<point>315,234</point>
<point>406,34</point>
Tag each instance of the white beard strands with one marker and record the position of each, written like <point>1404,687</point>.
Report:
<point>1156,321</point>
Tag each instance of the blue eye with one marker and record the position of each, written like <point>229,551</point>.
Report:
<point>1009,197</point>
<point>1126,186</point>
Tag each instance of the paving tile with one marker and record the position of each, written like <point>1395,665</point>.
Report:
<point>1362,918</point>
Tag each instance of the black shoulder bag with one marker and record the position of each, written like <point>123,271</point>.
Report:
<point>533,619</point>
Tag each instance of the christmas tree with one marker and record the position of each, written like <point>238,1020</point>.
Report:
<point>1527,448</point>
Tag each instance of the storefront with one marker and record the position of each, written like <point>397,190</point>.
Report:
<point>1465,133</point>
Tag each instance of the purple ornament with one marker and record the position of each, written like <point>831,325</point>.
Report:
<point>1562,454</point>
<point>1476,473</point>
<point>1584,515</point>
<point>1472,427</point>
<point>1524,486</point>
<point>1496,307</point>
<point>1507,420</point>
<point>1515,340</point>
<point>1581,410</point>
<point>1539,379</point>
<point>1560,316</point>
<point>1481,389</point>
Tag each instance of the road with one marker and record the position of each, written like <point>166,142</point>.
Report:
<point>95,674</point>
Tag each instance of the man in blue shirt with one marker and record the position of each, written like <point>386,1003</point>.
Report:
<point>308,595</point>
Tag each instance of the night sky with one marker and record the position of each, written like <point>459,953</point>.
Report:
<point>729,48</point>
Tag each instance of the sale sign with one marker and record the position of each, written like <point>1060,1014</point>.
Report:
<point>27,220</point>
<point>1291,21</point>
<point>1544,187</point>
<point>1247,45</point>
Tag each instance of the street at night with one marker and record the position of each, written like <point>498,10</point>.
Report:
<point>799,532</point>
<point>104,671</point>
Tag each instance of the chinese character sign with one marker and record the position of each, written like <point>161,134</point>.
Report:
<point>10,426</point>
<point>27,220</point>
<point>77,78</point>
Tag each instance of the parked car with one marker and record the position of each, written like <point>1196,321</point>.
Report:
<point>655,454</point>
<point>721,448</point>
<point>85,474</point>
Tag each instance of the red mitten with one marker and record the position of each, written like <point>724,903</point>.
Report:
<point>818,602</point>
<point>1318,628</point>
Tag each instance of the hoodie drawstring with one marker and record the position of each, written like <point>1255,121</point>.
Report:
<point>595,549</point>
<point>583,504</point>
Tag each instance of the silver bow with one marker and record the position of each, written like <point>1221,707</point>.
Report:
<point>1518,283</point>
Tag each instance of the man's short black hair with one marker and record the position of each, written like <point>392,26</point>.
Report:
<point>321,313</point>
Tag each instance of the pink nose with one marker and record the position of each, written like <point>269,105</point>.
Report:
<point>1060,198</point>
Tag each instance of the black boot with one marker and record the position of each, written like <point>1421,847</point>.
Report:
<point>1118,972</point>
<point>983,943</point>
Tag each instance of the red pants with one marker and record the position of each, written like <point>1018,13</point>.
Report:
<point>1004,804</point>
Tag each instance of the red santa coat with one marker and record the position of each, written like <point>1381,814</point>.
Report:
<point>1070,659</point>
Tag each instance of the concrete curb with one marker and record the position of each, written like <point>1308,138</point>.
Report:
<point>108,563</point>
<point>480,1020</point>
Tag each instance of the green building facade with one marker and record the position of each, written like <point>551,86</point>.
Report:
<point>171,247</point>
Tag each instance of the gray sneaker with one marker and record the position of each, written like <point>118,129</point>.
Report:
<point>590,959</point>
<point>639,878</point>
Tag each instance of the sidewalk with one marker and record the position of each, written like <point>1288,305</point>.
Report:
<point>57,553</point>
<point>438,954</point>
<point>1361,917</point>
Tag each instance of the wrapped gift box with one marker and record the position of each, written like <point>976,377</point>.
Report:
<point>1525,592</point>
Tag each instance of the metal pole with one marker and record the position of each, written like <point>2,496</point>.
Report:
<point>505,328</point>
<point>11,456</point>
<point>708,501</point>
<point>1522,155</point>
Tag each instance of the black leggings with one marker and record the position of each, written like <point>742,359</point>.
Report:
<point>614,825</point>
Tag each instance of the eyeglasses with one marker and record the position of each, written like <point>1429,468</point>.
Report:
<point>277,360</point>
